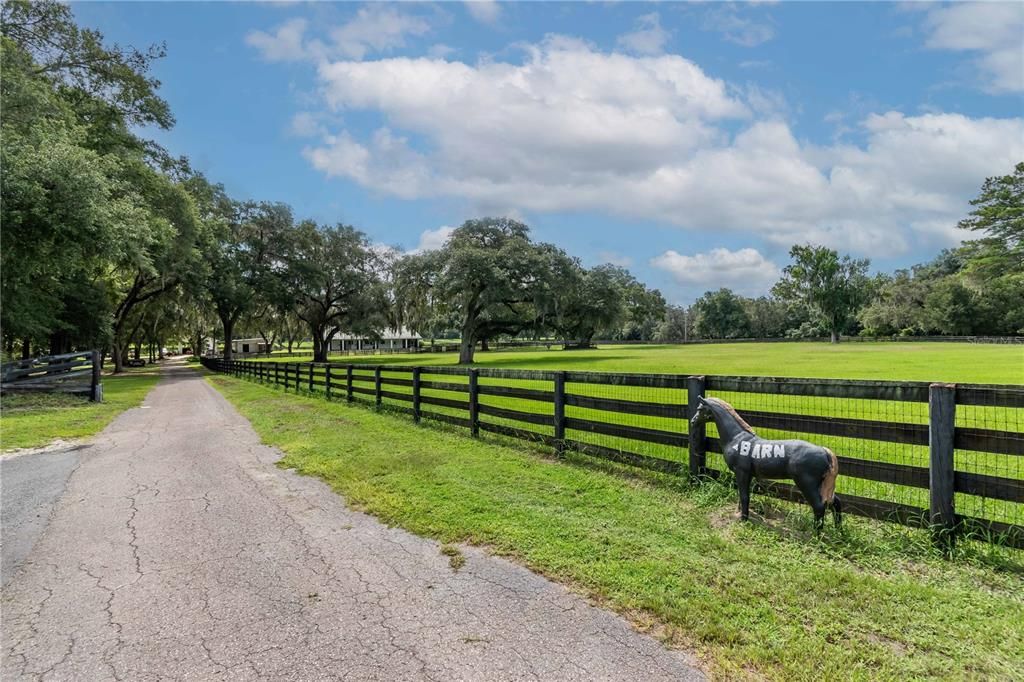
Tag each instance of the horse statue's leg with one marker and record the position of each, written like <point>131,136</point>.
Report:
<point>743,480</point>
<point>837,510</point>
<point>809,486</point>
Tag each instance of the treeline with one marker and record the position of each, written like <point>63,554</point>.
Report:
<point>110,242</point>
<point>976,289</point>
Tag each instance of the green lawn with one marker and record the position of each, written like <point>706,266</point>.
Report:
<point>762,599</point>
<point>948,362</point>
<point>32,420</point>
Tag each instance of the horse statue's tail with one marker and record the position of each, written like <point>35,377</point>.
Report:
<point>828,481</point>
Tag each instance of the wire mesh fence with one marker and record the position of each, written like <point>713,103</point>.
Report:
<point>883,433</point>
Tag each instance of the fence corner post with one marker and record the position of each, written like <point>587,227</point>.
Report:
<point>474,402</point>
<point>559,416</point>
<point>941,431</point>
<point>695,388</point>
<point>96,393</point>
<point>348,383</point>
<point>416,394</point>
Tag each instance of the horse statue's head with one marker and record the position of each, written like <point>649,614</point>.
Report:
<point>704,413</point>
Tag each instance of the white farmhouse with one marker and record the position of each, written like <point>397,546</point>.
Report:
<point>390,339</point>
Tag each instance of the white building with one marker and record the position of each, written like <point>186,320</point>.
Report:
<point>390,339</point>
<point>249,346</point>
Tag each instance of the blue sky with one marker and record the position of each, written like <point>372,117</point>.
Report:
<point>693,143</point>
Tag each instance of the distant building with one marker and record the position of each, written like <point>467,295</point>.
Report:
<point>390,339</point>
<point>249,346</point>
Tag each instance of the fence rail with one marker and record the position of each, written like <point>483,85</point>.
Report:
<point>949,457</point>
<point>68,373</point>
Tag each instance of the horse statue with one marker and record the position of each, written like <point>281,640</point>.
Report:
<point>812,467</point>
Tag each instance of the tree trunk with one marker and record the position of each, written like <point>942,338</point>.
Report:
<point>319,345</point>
<point>835,336</point>
<point>118,356</point>
<point>26,349</point>
<point>466,347</point>
<point>483,345</point>
<point>229,330</point>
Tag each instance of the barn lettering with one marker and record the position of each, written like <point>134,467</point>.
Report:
<point>760,450</point>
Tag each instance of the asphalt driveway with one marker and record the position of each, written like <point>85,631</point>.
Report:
<point>173,548</point>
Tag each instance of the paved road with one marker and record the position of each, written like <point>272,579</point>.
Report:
<point>30,484</point>
<point>178,550</point>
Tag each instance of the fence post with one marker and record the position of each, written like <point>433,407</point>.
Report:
<point>311,377</point>
<point>695,387</point>
<point>416,394</point>
<point>474,403</point>
<point>941,426</point>
<point>560,413</point>
<point>97,388</point>
<point>376,385</point>
<point>327,381</point>
<point>348,384</point>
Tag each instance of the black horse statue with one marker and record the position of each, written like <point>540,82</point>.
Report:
<point>812,467</point>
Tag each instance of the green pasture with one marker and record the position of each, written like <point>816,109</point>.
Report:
<point>760,600</point>
<point>922,361</point>
<point>947,362</point>
<point>29,420</point>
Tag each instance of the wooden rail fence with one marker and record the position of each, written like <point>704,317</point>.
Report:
<point>68,373</point>
<point>955,457</point>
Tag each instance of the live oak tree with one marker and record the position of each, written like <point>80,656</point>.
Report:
<point>832,288</point>
<point>245,257</point>
<point>721,315</point>
<point>334,279</point>
<point>590,301</point>
<point>490,276</point>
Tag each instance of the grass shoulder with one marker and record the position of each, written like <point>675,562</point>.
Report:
<point>30,420</point>
<point>761,599</point>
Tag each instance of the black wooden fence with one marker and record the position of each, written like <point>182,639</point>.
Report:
<point>68,373</point>
<point>945,456</point>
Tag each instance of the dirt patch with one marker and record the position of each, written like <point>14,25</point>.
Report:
<point>59,445</point>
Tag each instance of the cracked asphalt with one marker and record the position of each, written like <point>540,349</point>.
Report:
<point>178,550</point>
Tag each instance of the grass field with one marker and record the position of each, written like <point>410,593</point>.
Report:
<point>33,420</point>
<point>948,362</point>
<point>762,599</point>
<point>952,362</point>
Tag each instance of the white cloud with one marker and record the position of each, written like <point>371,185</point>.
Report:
<point>745,271</point>
<point>571,128</point>
<point>742,30</point>
<point>484,11</point>
<point>431,240</point>
<point>992,30</point>
<point>306,124</point>
<point>648,37</point>
<point>284,45</point>
<point>374,28</point>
